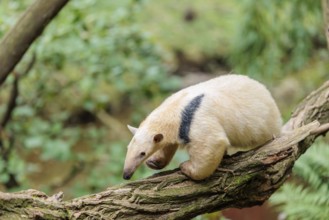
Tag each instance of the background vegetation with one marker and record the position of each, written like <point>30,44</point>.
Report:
<point>102,64</point>
<point>306,197</point>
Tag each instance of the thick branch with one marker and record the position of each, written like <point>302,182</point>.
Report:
<point>243,180</point>
<point>16,42</point>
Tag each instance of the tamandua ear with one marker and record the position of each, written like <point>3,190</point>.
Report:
<point>157,138</point>
<point>132,129</point>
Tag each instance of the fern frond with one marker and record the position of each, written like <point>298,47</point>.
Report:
<point>310,200</point>
<point>313,167</point>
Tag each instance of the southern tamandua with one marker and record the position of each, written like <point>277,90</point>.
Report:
<point>226,114</point>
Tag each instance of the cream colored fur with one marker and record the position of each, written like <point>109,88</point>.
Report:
<point>236,113</point>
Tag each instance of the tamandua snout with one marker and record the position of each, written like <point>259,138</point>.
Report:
<point>226,114</point>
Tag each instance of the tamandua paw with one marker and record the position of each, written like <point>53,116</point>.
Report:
<point>188,169</point>
<point>185,167</point>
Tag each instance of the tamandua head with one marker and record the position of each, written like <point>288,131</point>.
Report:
<point>143,144</point>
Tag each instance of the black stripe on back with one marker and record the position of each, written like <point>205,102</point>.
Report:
<point>187,117</point>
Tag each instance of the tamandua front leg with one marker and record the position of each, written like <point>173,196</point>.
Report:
<point>162,157</point>
<point>204,157</point>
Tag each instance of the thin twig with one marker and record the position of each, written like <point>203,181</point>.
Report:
<point>11,103</point>
<point>29,65</point>
<point>12,181</point>
<point>6,151</point>
<point>15,92</point>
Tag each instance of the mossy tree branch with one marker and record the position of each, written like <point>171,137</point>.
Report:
<point>242,180</point>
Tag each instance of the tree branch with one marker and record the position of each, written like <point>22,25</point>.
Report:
<point>11,103</point>
<point>243,180</point>
<point>32,23</point>
<point>15,93</point>
<point>6,147</point>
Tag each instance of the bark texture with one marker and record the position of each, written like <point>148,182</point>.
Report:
<point>17,41</point>
<point>242,180</point>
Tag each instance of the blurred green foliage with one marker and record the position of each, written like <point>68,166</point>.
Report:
<point>264,39</point>
<point>307,198</point>
<point>208,32</point>
<point>274,37</point>
<point>93,57</point>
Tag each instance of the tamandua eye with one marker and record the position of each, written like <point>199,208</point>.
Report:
<point>142,154</point>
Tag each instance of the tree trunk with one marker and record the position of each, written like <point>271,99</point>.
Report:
<point>242,180</point>
<point>17,41</point>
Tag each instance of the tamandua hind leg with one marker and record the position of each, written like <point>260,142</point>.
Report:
<point>204,158</point>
